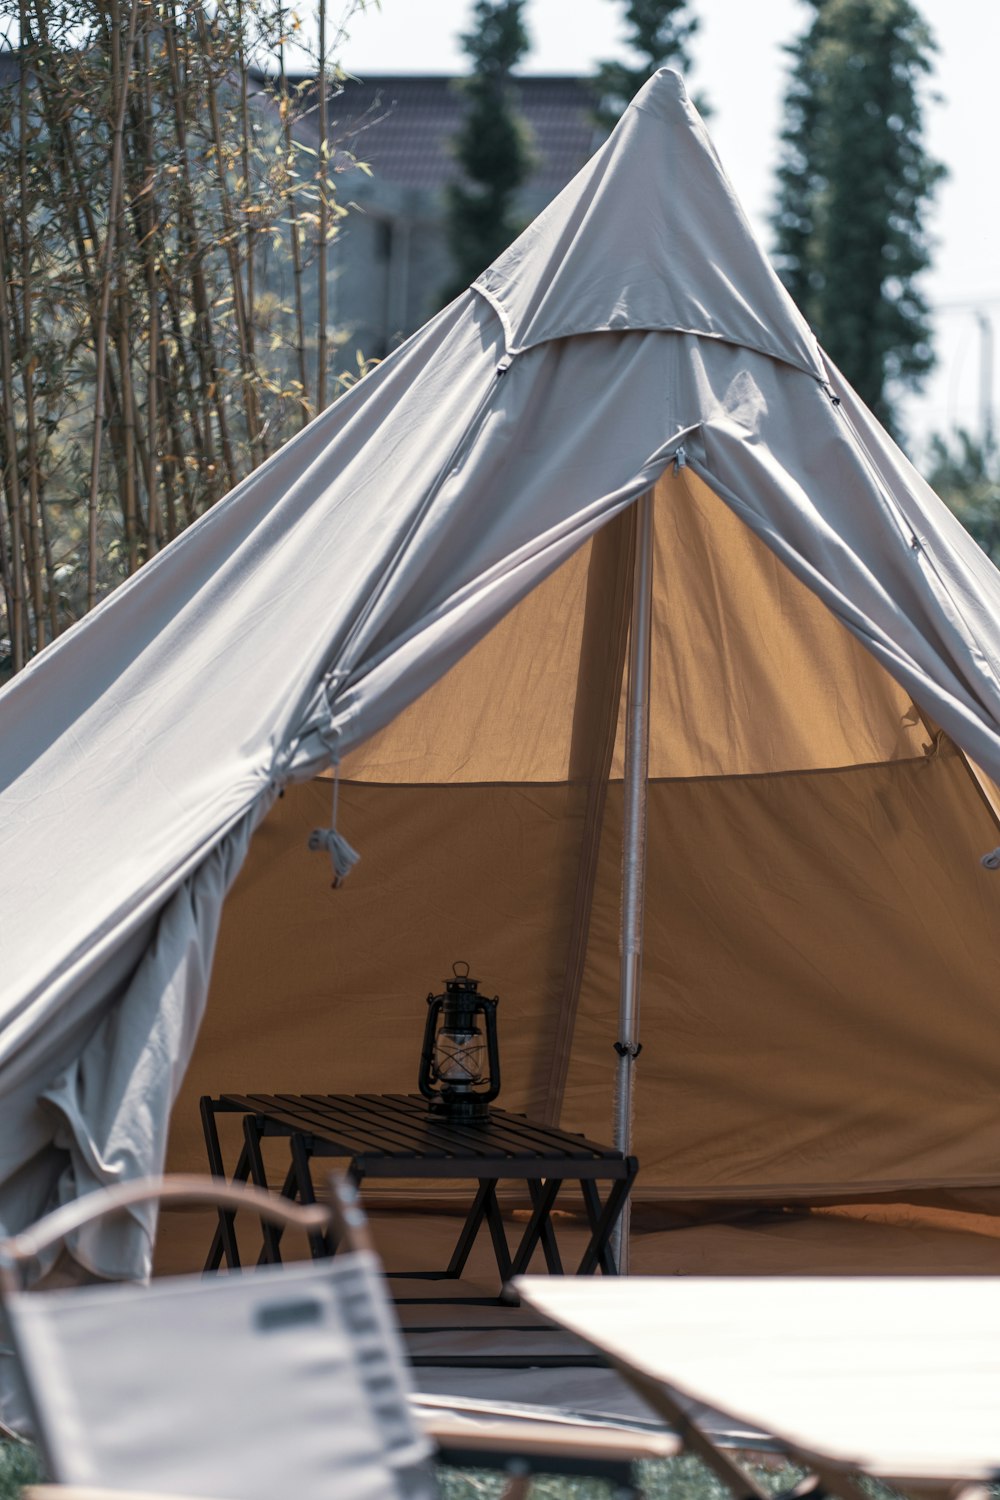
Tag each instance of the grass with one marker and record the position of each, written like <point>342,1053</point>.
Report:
<point>19,1465</point>
<point>684,1478</point>
<point>681,1478</point>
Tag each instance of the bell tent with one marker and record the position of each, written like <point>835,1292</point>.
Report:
<point>623,429</point>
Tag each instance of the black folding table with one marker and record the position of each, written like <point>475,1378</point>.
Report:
<point>397,1136</point>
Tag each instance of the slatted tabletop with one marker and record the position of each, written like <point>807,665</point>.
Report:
<point>396,1135</point>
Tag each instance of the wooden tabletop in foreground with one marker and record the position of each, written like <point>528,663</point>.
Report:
<point>895,1376</point>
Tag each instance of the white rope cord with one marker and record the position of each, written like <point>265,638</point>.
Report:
<point>343,857</point>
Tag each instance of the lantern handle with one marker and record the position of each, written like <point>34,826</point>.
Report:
<point>460,963</point>
<point>492,1049</point>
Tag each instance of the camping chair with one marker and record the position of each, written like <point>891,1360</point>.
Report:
<point>239,1387</point>
<point>287,1380</point>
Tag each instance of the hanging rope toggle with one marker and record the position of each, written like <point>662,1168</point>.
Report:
<point>343,857</point>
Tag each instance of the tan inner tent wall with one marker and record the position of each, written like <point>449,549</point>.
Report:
<point>820,1014</point>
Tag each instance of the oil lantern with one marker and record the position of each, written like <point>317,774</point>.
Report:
<point>460,1064</point>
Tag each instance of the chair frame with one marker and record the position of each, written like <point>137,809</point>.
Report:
<point>520,1449</point>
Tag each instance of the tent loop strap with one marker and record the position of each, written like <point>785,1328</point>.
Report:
<point>991,861</point>
<point>343,857</point>
<point>680,459</point>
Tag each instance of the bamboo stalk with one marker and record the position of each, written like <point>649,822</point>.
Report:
<point>43,594</point>
<point>27,355</point>
<point>6,551</point>
<point>125,435</point>
<point>324,216</point>
<point>177,445</point>
<point>208,364</point>
<point>6,582</point>
<point>14,583</point>
<point>249,230</point>
<point>122,431</point>
<point>200,405</point>
<point>129,496</point>
<point>291,204</point>
<point>107,267</point>
<point>168,460</point>
<point>52,592</point>
<point>74,206</point>
<point>231,245</point>
<point>153,312</point>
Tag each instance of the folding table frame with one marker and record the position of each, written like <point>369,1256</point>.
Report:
<point>397,1136</point>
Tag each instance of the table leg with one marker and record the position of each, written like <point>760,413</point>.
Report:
<point>270,1253</point>
<point>484,1206</point>
<point>494,1219</point>
<point>470,1229</point>
<point>319,1245</point>
<point>224,1239</point>
<point>664,1402</point>
<point>602,1220</point>
<point>539,1227</point>
<point>288,1190</point>
<point>227,1225</point>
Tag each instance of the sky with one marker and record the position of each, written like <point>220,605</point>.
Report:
<point>740,66</point>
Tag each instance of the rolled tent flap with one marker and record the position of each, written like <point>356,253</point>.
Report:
<point>429,582</point>
<point>114,1100</point>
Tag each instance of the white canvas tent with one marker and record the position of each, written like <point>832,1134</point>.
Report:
<point>431,584</point>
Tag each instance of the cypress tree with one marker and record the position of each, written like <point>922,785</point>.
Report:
<point>854,184</point>
<point>492,146</point>
<point>658,34</point>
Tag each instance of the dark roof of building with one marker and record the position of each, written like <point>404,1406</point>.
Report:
<point>403,126</point>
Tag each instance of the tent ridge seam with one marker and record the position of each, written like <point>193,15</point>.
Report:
<point>513,349</point>
<point>350,659</point>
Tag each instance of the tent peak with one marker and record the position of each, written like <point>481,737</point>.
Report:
<point>662,93</point>
<point>649,236</point>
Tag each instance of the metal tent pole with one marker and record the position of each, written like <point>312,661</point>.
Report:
<point>633,846</point>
